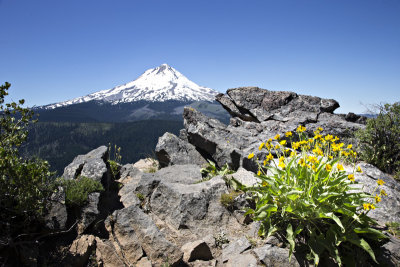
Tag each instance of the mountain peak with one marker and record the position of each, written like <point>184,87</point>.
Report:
<point>155,85</point>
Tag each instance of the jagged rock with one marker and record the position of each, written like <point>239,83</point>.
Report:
<point>197,250</point>
<point>194,206</point>
<point>389,207</point>
<point>91,165</point>
<point>57,215</point>
<point>81,249</point>
<point>389,255</point>
<point>171,150</point>
<point>128,173</point>
<point>259,114</point>
<point>139,227</point>
<point>123,237</point>
<point>89,212</point>
<point>143,262</point>
<point>106,255</point>
<point>245,177</point>
<point>243,260</point>
<point>199,263</point>
<point>147,165</point>
<point>235,247</point>
<point>275,256</point>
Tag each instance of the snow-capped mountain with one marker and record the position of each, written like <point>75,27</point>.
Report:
<point>160,84</point>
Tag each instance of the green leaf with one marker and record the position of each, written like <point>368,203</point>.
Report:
<point>360,242</point>
<point>294,194</point>
<point>372,233</point>
<point>332,216</point>
<point>290,239</point>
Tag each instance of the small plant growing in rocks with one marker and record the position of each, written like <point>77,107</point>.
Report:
<point>114,159</point>
<point>228,199</point>
<point>394,228</point>
<point>210,170</point>
<point>308,199</point>
<point>220,239</point>
<point>77,190</point>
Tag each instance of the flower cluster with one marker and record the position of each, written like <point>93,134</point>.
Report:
<point>304,187</point>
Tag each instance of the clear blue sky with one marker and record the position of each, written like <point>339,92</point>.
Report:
<point>348,50</point>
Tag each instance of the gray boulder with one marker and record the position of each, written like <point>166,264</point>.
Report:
<point>389,208</point>
<point>91,165</point>
<point>139,228</point>
<point>57,215</point>
<point>171,150</point>
<point>275,256</point>
<point>196,250</point>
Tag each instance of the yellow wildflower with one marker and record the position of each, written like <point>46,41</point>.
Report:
<point>359,169</point>
<point>313,159</point>
<point>328,167</point>
<point>293,153</point>
<point>261,146</point>
<point>349,146</point>
<point>314,168</point>
<point>340,167</point>
<point>264,183</point>
<point>328,137</point>
<point>377,198</point>
<point>301,129</point>
<point>320,129</point>
<point>277,136</point>
<point>317,136</point>
<point>295,145</point>
<point>250,156</point>
<point>383,193</point>
<point>351,177</point>
<point>372,206</point>
<point>281,159</point>
<point>265,162</point>
<point>302,162</point>
<point>269,157</point>
<point>366,206</point>
<point>283,142</point>
<point>259,173</point>
<point>380,182</point>
<point>282,165</point>
<point>288,134</point>
<point>277,147</point>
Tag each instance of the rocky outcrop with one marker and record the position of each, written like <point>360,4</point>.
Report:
<point>258,115</point>
<point>171,150</point>
<point>57,215</point>
<point>173,217</point>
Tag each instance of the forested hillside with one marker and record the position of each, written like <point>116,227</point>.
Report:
<point>60,142</point>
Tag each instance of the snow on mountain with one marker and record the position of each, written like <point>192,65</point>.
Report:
<point>156,85</point>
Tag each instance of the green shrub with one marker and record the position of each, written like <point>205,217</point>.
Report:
<point>380,141</point>
<point>311,202</point>
<point>77,190</point>
<point>25,184</point>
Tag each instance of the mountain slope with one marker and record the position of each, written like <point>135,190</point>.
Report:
<point>160,84</point>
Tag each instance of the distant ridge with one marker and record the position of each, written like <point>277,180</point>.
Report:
<point>159,84</point>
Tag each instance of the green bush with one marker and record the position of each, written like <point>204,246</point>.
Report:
<point>77,190</point>
<point>25,184</point>
<point>309,201</point>
<point>380,141</point>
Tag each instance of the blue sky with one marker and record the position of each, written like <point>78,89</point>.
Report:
<point>349,50</point>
